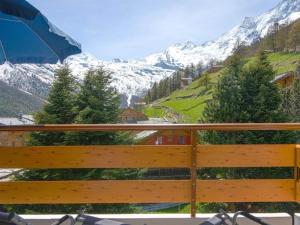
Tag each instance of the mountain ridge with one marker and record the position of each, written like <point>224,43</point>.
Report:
<point>133,77</point>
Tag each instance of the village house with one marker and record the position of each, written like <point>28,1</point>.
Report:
<point>140,106</point>
<point>130,115</point>
<point>163,138</point>
<point>185,81</point>
<point>215,68</point>
<point>284,80</point>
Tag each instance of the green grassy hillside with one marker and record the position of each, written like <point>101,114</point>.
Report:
<point>187,105</point>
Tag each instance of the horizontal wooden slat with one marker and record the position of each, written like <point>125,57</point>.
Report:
<point>246,155</point>
<point>126,127</point>
<point>64,192</point>
<point>59,192</point>
<point>96,157</point>
<point>246,191</point>
<point>147,156</point>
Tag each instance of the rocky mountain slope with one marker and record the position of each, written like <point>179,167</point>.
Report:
<point>133,77</point>
<point>15,102</point>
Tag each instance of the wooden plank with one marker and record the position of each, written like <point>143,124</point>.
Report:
<point>246,155</point>
<point>127,127</point>
<point>147,156</point>
<point>69,192</point>
<point>96,157</point>
<point>246,190</point>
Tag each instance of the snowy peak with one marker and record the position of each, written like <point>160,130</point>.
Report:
<point>248,23</point>
<point>133,77</point>
<point>285,12</point>
<point>184,45</point>
<point>249,31</point>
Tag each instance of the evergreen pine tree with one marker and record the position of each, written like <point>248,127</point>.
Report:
<point>295,97</point>
<point>246,95</point>
<point>226,102</point>
<point>294,36</point>
<point>261,98</point>
<point>58,109</point>
<point>97,103</point>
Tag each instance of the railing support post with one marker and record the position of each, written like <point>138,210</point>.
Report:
<point>194,142</point>
<point>296,173</point>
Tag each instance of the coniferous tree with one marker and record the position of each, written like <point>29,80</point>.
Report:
<point>261,97</point>
<point>58,109</point>
<point>253,99</point>
<point>286,105</point>
<point>245,94</point>
<point>96,103</point>
<point>294,36</point>
<point>225,105</point>
<point>295,97</point>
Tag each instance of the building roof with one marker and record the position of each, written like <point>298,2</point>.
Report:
<point>283,76</point>
<point>144,134</point>
<point>140,103</point>
<point>186,78</point>
<point>10,121</point>
<point>148,133</point>
<point>154,121</point>
<point>23,120</point>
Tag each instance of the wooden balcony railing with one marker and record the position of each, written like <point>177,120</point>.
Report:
<point>192,156</point>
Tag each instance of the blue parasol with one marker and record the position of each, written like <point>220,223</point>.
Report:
<point>26,36</point>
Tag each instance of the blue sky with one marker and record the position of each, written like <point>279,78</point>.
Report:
<point>136,28</point>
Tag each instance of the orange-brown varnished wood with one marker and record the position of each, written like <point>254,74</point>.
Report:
<point>128,127</point>
<point>298,191</point>
<point>147,156</point>
<point>59,192</point>
<point>178,156</point>
<point>246,155</point>
<point>298,155</point>
<point>246,190</point>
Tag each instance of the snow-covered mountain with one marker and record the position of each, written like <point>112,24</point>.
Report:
<point>250,30</point>
<point>130,78</point>
<point>133,77</point>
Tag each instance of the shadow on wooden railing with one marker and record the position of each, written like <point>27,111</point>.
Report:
<point>191,156</point>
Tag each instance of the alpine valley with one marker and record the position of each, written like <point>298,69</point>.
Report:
<point>133,77</point>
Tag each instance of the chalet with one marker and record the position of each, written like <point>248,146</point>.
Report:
<point>185,81</point>
<point>284,80</point>
<point>215,68</point>
<point>163,138</point>
<point>139,106</point>
<point>130,115</point>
